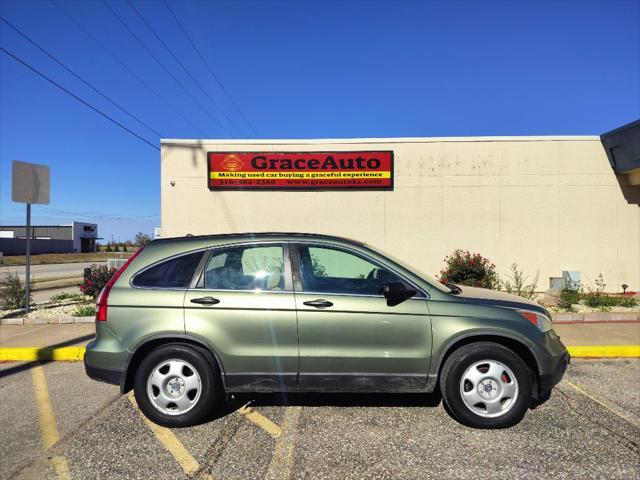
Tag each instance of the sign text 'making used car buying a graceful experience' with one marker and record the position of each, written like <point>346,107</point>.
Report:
<point>306,170</point>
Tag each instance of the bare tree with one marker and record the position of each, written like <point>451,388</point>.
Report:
<point>142,239</point>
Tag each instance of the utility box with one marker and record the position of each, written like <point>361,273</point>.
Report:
<point>571,279</point>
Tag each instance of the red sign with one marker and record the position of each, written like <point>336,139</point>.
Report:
<point>307,170</point>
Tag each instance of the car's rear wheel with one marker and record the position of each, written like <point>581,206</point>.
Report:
<point>486,385</point>
<point>175,386</point>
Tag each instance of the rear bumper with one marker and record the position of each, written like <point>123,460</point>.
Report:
<point>103,374</point>
<point>96,370</point>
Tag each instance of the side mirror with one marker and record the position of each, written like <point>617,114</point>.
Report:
<point>397,292</point>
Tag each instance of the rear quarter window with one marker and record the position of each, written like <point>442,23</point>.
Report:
<point>174,273</point>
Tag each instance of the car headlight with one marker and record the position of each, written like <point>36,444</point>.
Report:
<point>540,320</point>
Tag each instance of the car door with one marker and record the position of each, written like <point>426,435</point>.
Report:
<point>243,307</point>
<point>350,337</point>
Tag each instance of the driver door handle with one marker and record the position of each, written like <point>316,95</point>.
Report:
<point>319,303</point>
<point>205,300</point>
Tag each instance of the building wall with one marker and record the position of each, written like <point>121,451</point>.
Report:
<point>54,232</point>
<point>84,230</point>
<point>547,203</point>
<point>18,246</point>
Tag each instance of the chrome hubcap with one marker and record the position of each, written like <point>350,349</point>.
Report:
<point>489,388</point>
<point>174,387</point>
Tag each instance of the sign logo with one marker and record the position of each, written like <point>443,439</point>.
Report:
<point>355,170</point>
<point>232,163</point>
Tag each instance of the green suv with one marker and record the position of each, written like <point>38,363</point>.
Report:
<point>189,319</point>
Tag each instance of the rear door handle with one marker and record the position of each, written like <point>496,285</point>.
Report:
<point>205,300</point>
<point>319,303</point>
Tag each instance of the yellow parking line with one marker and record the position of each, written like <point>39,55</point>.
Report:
<point>48,427</point>
<point>175,447</point>
<point>260,420</point>
<point>282,460</point>
<point>34,354</point>
<point>602,403</point>
<point>61,468</point>
<point>600,351</point>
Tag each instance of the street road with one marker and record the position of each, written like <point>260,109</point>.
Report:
<point>43,296</point>
<point>41,272</point>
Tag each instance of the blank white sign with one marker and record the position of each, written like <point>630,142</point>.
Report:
<point>31,183</point>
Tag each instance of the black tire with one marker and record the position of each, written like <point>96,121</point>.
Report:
<point>210,385</point>
<point>465,357</point>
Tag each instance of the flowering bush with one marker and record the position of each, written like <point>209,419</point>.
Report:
<point>95,281</point>
<point>471,269</point>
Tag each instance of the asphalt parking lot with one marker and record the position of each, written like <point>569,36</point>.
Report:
<point>57,423</point>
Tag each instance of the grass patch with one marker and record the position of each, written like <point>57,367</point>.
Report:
<point>86,310</point>
<point>68,297</point>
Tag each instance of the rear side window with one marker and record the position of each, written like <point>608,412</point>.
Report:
<point>174,273</point>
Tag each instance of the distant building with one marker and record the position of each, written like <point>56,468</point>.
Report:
<point>77,237</point>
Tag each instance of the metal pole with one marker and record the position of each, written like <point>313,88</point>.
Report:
<point>28,260</point>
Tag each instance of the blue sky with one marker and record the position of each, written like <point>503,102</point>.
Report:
<point>296,70</point>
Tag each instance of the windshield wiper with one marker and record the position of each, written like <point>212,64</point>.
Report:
<point>454,288</point>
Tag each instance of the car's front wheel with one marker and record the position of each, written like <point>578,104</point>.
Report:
<point>486,385</point>
<point>175,386</point>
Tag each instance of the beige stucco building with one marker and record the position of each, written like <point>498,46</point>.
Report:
<point>549,204</point>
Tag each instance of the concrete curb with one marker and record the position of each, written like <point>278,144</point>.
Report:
<point>31,354</point>
<point>605,351</point>
<point>76,354</point>
<point>45,321</point>
<point>595,317</point>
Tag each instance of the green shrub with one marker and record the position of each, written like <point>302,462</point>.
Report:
<point>12,292</point>
<point>628,302</point>
<point>471,269</point>
<point>70,297</point>
<point>607,302</point>
<point>84,311</point>
<point>598,300</point>
<point>570,296</point>
<point>517,283</point>
<point>96,280</point>
<point>594,298</point>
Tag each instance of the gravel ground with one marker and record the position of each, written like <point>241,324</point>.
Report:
<point>585,309</point>
<point>579,433</point>
<point>64,308</point>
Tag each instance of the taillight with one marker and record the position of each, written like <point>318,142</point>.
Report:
<point>103,298</point>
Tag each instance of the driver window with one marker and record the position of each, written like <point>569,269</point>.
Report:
<point>328,270</point>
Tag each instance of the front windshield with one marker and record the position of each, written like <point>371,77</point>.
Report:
<point>433,281</point>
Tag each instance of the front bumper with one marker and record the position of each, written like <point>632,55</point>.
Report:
<point>557,361</point>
